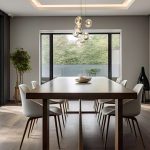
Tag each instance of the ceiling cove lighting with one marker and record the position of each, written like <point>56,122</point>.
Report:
<point>125,5</point>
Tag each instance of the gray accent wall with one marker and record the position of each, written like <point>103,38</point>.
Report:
<point>135,41</point>
<point>149,48</point>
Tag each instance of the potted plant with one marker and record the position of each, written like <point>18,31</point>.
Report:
<point>21,61</point>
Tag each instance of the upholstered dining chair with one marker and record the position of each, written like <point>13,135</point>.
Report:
<point>34,110</point>
<point>131,109</point>
<point>61,102</point>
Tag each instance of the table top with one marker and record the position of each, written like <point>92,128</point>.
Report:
<point>68,88</point>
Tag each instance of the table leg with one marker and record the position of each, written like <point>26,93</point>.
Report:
<point>119,125</point>
<point>45,124</point>
<point>80,127</point>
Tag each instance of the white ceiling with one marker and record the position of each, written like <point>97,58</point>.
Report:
<point>27,8</point>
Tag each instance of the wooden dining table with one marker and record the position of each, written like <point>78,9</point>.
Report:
<point>68,88</point>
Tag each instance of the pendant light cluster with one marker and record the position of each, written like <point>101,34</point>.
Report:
<point>80,26</point>
<point>79,31</point>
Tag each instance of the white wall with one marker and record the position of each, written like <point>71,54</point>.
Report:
<point>135,41</point>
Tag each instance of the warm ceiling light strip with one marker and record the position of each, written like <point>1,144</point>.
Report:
<point>126,4</point>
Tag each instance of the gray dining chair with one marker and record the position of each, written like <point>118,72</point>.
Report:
<point>131,109</point>
<point>33,110</point>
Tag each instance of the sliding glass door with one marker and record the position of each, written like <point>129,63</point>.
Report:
<point>61,55</point>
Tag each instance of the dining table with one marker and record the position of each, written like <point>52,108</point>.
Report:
<point>69,88</point>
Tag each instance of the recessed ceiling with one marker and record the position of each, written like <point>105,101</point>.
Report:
<point>73,7</point>
<point>122,4</point>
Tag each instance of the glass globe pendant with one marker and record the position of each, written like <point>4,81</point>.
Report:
<point>88,23</point>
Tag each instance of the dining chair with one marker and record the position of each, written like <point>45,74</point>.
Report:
<point>61,102</point>
<point>131,109</point>
<point>34,110</point>
<point>96,102</point>
<point>101,102</point>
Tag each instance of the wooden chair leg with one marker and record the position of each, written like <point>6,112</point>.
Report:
<point>25,132</point>
<point>108,121</point>
<point>139,132</point>
<point>60,126</point>
<point>57,131</point>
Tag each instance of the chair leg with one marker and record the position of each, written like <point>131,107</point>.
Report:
<point>98,111</point>
<point>96,106</point>
<point>67,103</point>
<point>25,132</point>
<point>127,120</point>
<point>139,132</point>
<point>101,112</point>
<point>63,120</point>
<point>36,120</point>
<point>101,106</point>
<point>65,106</point>
<point>103,125</point>
<point>30,128</point>
<point>60,126</point>
<point>33,125</point>
<point>134,128</point>
<point>65,112</point>
<point>129,124</point>
<point>57,131</point>
<point>108,121</point>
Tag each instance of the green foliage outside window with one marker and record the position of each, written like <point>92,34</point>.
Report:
<point>93,51</point>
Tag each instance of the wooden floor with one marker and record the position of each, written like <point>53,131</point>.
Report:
<point>12,123</point>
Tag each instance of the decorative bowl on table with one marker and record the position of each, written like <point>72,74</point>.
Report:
<point>83,79</point>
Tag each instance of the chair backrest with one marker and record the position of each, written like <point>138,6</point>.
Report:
<point>123,83</point>
<point>34,84</point>
<point>118,80</point>
<point>133,106</point>
<point>30,108</point>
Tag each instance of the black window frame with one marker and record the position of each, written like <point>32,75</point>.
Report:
<point>51,52</point>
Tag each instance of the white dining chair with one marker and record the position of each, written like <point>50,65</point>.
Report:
<point>61,102</point>
<point>101,102</point>
<point>131,109</point>
<point>96,102</point>
<point>34,110</point>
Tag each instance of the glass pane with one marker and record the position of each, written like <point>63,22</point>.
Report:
<point>73,59</point>
<point>115,55</point>
<point>45,59</point>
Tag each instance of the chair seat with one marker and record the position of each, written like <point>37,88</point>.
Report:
<point>56,101</point>
<point>108,110</point>
<point>55,111</point>
<point>109,101</point>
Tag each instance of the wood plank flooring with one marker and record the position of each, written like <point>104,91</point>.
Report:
<point>12,123</point>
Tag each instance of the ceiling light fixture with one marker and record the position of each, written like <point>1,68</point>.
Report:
<point>80,24</point>
<point>125,5</point>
